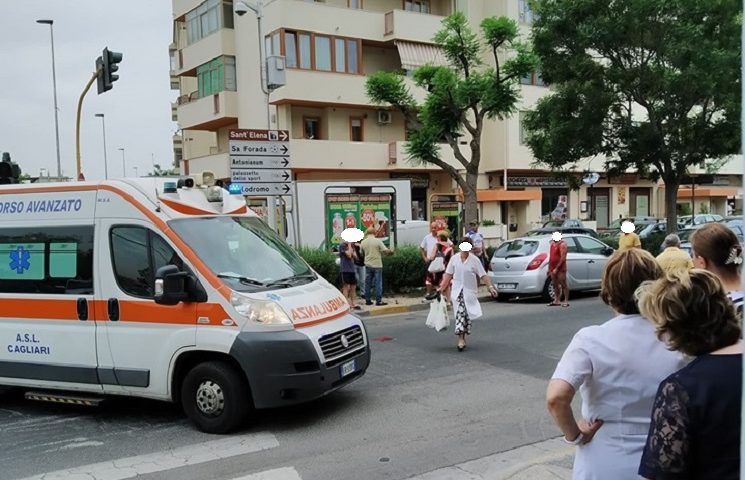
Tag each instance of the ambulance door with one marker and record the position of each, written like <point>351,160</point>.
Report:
<point>142,336</point>
<point>47,321</point>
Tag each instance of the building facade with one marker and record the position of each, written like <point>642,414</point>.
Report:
<point>329,48</point>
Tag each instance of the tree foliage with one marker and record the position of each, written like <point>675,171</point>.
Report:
<point>461,95</point>
<point>651,85</point>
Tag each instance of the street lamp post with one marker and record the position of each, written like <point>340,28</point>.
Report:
<point>54,86</point>
<point>124,163</point>
<point>105,161</point>
<point>136,173</point>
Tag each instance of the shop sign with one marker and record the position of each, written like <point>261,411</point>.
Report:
<point>529,181</point>
<point>418,180</point>
<point>357,211</point>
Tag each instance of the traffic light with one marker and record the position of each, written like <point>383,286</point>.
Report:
<point>106,66</point>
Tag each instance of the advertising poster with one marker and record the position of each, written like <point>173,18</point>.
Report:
<point>357,211</point>
<point>446,214</point>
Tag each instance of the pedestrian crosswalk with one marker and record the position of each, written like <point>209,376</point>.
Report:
<point>190,455</point>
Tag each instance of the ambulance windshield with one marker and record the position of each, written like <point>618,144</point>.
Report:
<point>244,252</point>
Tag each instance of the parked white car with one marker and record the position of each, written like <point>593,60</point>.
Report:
<point>520,266</point>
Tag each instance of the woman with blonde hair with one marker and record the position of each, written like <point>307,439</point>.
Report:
<point>616,368</point>
<point>717,249</point>
<point>695,428</point>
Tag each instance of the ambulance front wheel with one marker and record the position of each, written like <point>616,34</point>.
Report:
<point>215,396</point>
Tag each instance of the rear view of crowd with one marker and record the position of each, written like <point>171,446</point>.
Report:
<point>661,382</point>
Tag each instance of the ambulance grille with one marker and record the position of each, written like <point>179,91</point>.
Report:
<point>333,347</point>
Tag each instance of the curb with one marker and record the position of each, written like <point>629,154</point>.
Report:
<point>394,309</point>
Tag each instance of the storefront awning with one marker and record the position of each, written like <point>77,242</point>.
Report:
<point>710,192</point>
<point>507,195</point>
<point>414,55</point>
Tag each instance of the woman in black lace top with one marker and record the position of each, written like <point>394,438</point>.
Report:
<point>695,429</point>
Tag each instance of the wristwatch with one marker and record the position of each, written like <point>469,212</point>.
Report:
<point>576,441</point>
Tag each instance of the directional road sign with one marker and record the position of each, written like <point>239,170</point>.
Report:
<point>249,175</point>
<point>260,162</point>
<point>241,161</point>
<point>261,189</point>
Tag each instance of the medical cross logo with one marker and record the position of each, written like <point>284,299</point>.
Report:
<point>19,260</point>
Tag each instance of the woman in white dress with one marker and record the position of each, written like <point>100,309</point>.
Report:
<point>617,367</point>
<point>464,271</point>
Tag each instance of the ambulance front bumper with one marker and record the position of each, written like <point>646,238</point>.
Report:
<point>284,368</point>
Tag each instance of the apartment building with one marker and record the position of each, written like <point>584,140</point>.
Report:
<point>329,48</point>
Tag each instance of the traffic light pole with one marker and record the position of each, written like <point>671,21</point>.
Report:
<point>77,123</point>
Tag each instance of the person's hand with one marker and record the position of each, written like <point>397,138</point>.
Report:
<point>588,429</point>
<point>493,291</point>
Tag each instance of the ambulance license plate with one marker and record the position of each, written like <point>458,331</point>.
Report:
<point>347,368</point>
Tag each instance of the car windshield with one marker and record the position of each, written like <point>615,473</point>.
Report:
<point>516,248</point>
<point>244,252</point>
<point>554,223</point>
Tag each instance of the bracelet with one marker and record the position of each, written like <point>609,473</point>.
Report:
<point>576,441</point>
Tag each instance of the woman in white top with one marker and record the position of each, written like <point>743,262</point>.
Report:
<point>464,271</point>
<point>616,367</point>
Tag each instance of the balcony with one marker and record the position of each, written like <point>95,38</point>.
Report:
<point>311,87</point>
<point>187,59</point>
<point>411,26</point>
<point>344,155</point>
<point>208,113</point>
<point>398,159</point>
<point>346,22</point>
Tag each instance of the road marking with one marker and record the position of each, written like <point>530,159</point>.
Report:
<point>131,467</point>
<point>287,473</point>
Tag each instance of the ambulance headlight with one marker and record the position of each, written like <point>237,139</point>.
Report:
<point>259,311</point>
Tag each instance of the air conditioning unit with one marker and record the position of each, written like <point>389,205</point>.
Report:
<point>384,117</point>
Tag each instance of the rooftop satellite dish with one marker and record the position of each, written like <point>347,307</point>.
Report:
<point>591,178</point>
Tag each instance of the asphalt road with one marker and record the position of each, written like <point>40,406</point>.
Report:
<point>421,406</point>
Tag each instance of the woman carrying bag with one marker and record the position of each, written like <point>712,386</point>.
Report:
<point>464,272</point>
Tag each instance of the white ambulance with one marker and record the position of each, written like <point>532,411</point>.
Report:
<point>170,289</point>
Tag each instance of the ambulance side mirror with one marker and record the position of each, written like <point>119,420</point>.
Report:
<point>171,285</point>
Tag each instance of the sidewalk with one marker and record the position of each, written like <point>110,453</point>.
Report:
<point>405,303</point>
<point>547,460</point>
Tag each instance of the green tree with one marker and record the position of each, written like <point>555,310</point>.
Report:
<point>160,172</point>
<point>461,96</point>
<point>651,85</point>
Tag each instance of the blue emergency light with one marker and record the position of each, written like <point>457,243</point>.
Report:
<point>234,188</point>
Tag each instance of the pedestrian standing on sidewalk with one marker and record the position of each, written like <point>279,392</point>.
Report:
<point>628,238</point>
<point>359,267</point>
<point>616,367</point>
<point>464,272</point>
<point>557,270</point>
<point>374,249</point>
<point>695,426</point>
<point>425,248</point>
<point>717,249</point>
<point>347,256</point>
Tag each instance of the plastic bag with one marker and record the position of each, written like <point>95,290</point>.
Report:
<point>438,317</point>
<point>437,265</point>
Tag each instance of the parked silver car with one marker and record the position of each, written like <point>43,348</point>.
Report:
<point>520,266</point>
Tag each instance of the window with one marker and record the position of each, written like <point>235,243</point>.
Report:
<point>526,13</point>
<point>304,51</point>
<point>312,128</point>
<point>523,133</point>
<point>53,260</point>
<point>534,78</point>
<point>291,50</point>
<point>417,6</point>
<point>356,4</point>
<point>216,76</point>
<point>590,246</point>
<point>516,248</point>
<point>356,131</point>
<point>312,51</point>
<point>207,18</point>
<point>323,53</point>
<point>137,253</point>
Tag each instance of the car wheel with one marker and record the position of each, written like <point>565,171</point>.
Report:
<point>548,291</point>
<point>215,396</point>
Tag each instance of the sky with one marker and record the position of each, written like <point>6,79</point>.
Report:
<point>137,109</point>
